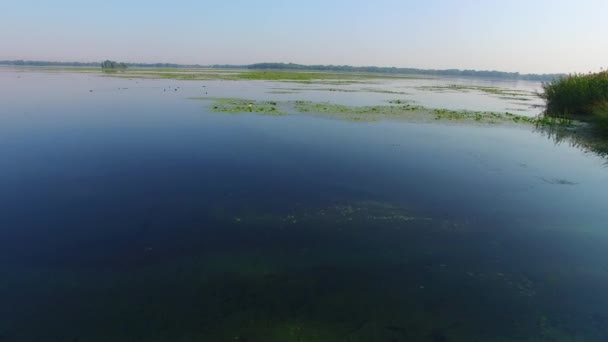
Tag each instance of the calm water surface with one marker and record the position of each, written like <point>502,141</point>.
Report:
<point>138,215</point>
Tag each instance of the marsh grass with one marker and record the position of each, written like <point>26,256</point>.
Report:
<point>600,112</point>
<point>583,96</point>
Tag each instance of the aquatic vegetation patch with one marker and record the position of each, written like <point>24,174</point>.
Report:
<point>495,117</point>
<point>326,82</point>
<point>356,215</point>
<point>343,90</point>
<point>171,76</point>
<point>230,105</point>
<point>516,109</point>
<point>515,98</point>
<point>282,92</point>
<point>340,90</point>
<point>485,89</point>
<point>326,107</point>
<point>307,77</point>
<point>337,90</point>
<point>361,212</point>
<point>396,109</point>
<point>286,76</point>
<point>339,82</point>
<point>338,78</point>
<point>399,101</point>
<point>383,91</point>
<point>292,76</point>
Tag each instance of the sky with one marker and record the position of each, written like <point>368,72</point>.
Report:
<point>533,36</point>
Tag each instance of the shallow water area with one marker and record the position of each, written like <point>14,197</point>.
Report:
<point>130,212</point>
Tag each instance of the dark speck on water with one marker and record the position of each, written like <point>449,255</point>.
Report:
<point>128,216</point>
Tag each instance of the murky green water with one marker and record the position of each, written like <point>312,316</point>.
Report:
<point>131,213</point>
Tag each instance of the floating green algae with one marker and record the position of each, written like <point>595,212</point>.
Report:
<point>232,105</point>
<point>484,89</point>
<point>396,109</point>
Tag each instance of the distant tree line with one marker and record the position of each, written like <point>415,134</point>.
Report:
<point>93,64</point>
<point>335,68</point>
<point>112,65</point>
<point>407,71</point>
<point>229,66</point>
<point>21,62</point>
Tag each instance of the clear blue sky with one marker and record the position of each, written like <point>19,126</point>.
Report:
<point>511,35</point>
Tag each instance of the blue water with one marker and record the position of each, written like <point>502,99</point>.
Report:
<point>138,215</point>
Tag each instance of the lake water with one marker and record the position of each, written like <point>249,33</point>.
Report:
<point>129,212</point>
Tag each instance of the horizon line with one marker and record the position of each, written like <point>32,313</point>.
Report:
<point>59,62</point>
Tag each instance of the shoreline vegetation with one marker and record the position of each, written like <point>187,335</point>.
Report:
<point>579,96</point>
<point>388,71</point>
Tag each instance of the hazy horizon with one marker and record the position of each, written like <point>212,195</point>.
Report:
<point>519,36</point>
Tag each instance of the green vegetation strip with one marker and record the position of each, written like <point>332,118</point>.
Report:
<point>513,93</point>
<point>396,109</point>
<point>303,77</point>
<point>231,105</point>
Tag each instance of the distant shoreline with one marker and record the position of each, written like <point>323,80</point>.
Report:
<point>299,67</point>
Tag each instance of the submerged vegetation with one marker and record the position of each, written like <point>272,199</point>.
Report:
<point>406,256</point>
<point>583,96</point>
